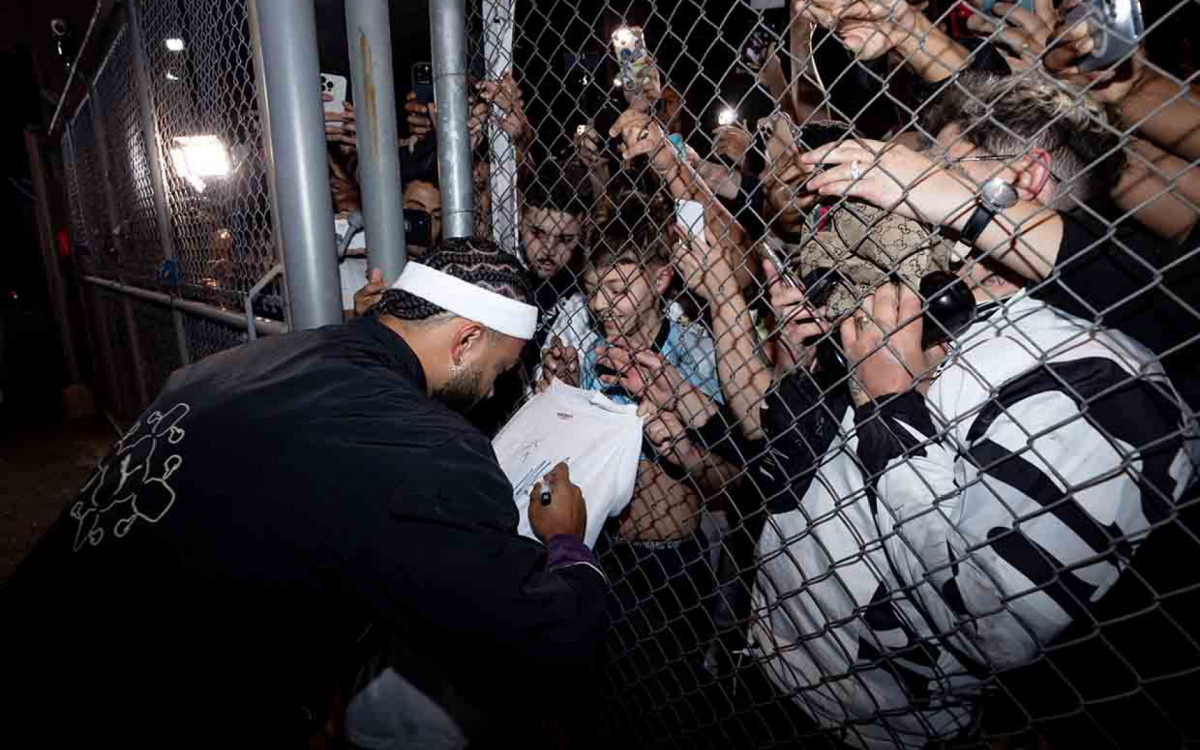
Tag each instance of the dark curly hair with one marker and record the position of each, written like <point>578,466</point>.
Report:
<point>636,231</point>
<point>481,262</point>
<point>558,187</point>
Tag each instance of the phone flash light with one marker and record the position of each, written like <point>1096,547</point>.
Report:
<point>623,36</point>
<point>580,129</point>
<point>727,116</point>
<point>617,81</point>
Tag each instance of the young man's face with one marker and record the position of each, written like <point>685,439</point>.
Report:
<point>476,378</point>
<point>550,237</point>
<point>622,299</point>
<point>423,196</point>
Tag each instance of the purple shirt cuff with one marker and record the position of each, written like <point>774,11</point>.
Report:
<point>564,550</point>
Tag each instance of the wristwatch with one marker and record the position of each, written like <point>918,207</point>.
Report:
<point>995,196</point>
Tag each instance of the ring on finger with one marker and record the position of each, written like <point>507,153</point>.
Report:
<point>862,321</point>
<point>855,170</point>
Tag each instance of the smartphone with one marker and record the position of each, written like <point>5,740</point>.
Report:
<point>781,265</point>
<point>818,134</point>
<point>335,86</point>
<point>1116,28</point>
<point>422,82</point>
<point>418,227</point>
<point>690,217</point>
<point>758,44</point>
<point>629,45</point>
<point>951,307</point>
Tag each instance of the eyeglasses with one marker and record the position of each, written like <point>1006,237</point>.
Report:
<point>988,158</point>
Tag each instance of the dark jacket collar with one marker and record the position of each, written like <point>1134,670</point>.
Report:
<point>392,346</point>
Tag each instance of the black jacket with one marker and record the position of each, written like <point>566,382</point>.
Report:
<point>228,555</point>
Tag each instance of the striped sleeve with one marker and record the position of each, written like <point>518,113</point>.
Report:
<point>1021,528</point>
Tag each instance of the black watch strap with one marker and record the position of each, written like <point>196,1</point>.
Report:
<point>978,222</point>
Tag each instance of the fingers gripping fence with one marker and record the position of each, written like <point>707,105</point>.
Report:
<point>917,370</point>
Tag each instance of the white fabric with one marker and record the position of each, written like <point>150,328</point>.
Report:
<point>600,442</point>
<point>473,302</point>
<point>392,714</point>
<point>352,274</point>
<point>341,226</point>
<point>352,271</point>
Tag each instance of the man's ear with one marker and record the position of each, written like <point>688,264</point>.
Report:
<point>1033,173</point>
<point>662,279</point>
<point>467,338</point>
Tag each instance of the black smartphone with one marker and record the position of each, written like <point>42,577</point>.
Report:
<point>418,227</point>
<point>422,82</point>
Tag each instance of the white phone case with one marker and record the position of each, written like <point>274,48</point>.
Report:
<point>335,85</point>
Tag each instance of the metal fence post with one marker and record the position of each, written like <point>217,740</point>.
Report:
<point>447,23</point>
<point>54,279</point>
<point>285,35</point>
<point>149,125</point>
<point>114,221</point>
<point>369,38</point>
<point>497,47</point>
<point>96,324</point>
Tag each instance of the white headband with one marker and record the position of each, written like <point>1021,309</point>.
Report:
<point>469,301</point>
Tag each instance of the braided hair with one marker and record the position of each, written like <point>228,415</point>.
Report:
<point>480,262</point>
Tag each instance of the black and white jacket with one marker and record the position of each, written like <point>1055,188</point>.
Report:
<point>938,538</point>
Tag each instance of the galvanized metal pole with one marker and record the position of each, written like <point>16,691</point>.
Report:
<point>369,37</point>
<point>96,321</point>
<point>100,129</point>
<point>162,211</point>
<point>448,27</point>
<point>54,280</point>
<point>287,39</point>
<point>497,48</point>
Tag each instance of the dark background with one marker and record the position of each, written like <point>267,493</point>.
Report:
<point>695,43</point>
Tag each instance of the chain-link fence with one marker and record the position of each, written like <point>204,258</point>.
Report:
<point>850,529</point>
<point>165,174</point>
<point>907,295</point>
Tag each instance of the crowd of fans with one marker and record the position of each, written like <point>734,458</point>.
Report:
<point>916,404</point>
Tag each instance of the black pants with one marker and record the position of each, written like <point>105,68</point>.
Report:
<point>661,624</point>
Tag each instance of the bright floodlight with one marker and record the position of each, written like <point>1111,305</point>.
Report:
<point>174,44</point>
<point>199,156</point>
<point>727,116</point>
<point>623,36</point>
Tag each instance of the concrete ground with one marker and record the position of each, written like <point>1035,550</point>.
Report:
<point>43,464</point>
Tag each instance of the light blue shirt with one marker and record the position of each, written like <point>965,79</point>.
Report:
<point>687,347</point>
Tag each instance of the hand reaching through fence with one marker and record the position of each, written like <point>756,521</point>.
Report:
<point>798,322</point>
<point>559,361</point>
<point>421,116</point>
<point>1025,33</point>
<point>341,128</point>
<point>505,97</point>
<point>366,297</point>
<point>884,340</point>
<point>872,28</point>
